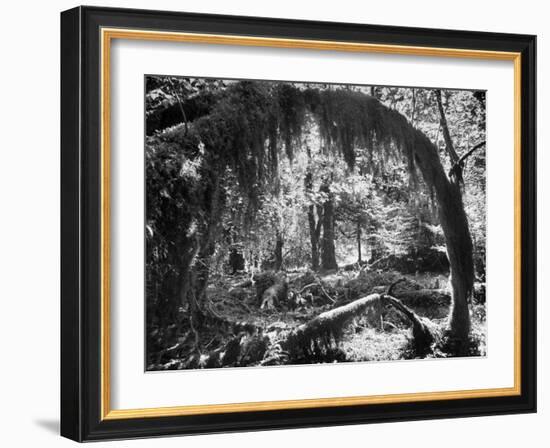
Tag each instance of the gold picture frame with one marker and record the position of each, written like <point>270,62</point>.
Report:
<point>108,30</point>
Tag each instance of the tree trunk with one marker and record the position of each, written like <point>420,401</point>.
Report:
<point>458,240</point>
<point>457,235</point>
<point>359,260</point>
<point>374,92</point>
<point>279,243</point>
<point>313,238</point>
<point>194,285</point>
<point>314,224</point>
<point>199,282</point>
<point>236,260</point>
<point>328,252</point>
<point>446,134</point>
<point>460,253</point>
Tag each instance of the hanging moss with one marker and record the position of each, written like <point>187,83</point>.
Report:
<point>291,115</point>
<point>254,122</point>
<point>350,119</point>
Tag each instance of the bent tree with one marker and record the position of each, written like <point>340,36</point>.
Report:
<point>236,141</point>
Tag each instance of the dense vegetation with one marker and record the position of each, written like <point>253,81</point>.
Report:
<point>299,223</point>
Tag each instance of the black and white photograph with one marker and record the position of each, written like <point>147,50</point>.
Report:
<point>305,223</point>
<point>275,224</point>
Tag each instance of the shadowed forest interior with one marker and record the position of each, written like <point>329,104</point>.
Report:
<point>301,223</point>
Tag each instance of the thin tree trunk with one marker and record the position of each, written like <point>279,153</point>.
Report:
<point>314,224</point>
<point>413,108</point>
<point>359,242</point>
<point>328,252</point>
<point>446,134</point>
<point>373,92</point>
<point>279,243</point>
<point>313,238</point>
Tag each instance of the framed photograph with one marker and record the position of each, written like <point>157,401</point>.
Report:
<point>276,224</point>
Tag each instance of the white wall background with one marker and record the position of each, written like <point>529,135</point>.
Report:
<point>29,220</point>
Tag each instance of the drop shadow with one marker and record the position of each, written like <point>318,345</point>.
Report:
<point>49,425</point>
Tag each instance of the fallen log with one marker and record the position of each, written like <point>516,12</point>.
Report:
<point>320,332</point>
<point>423,336</point>
<point>331,323</point>
<point>425,297</point>
<point>313,339</point>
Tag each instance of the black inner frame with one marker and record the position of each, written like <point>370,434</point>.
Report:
<point>81,223</point>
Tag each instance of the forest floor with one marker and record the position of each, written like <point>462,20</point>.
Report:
<point>376,335</point>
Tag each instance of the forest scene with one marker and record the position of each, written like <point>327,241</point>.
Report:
<point>305,223</point>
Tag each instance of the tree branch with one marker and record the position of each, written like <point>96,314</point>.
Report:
<point>471,151</point>
<point>349,236</point>
<point>413,111</point>
<point>459,165</point>
<point>322,289</point>
<point>390,288</point>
